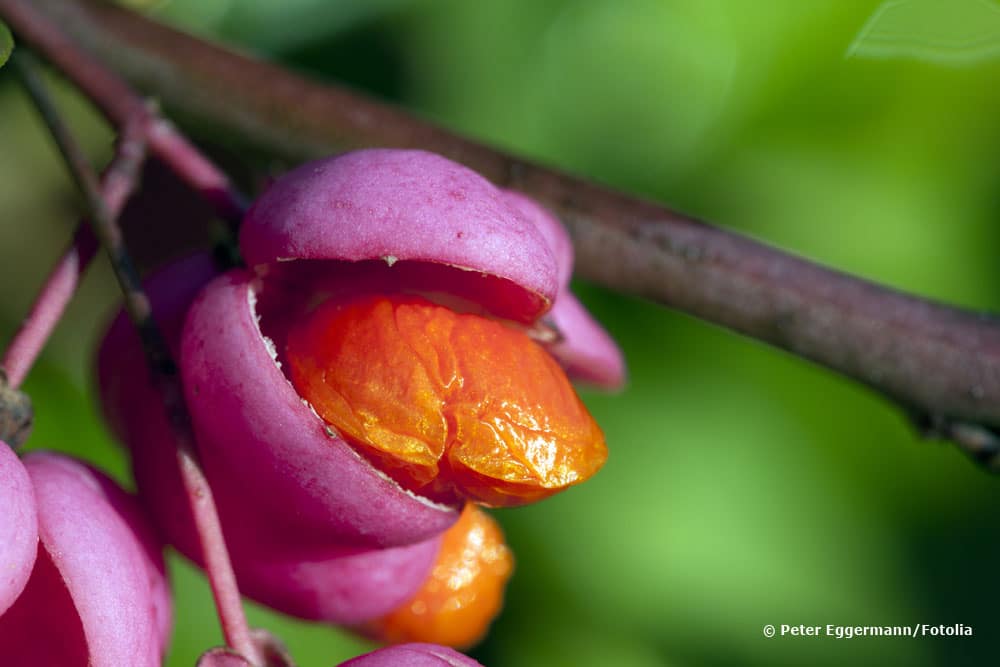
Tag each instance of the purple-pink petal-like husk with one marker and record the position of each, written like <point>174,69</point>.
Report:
<point>336,584</point>
<point>18,527</point>
<point>586,351</point>
<point>552,232</point>
<point>382,204</point>
<point>262,445</point>
<point>134,408</point>
<point>121,359</point>
<point>315,574</point>
<point>412,655</point>
<point>96,538</point>
<point>222,657</point>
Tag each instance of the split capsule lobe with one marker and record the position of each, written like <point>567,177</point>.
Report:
<point>451,405</point>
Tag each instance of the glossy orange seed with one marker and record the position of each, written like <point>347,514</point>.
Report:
<point>464,591</point>
<point>451,405</point>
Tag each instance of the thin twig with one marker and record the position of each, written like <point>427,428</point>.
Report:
<point>117,184</point>
<point>121,105</point>
<point>217,563</point>
<point>49,306</point>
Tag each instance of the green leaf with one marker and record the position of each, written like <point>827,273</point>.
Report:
<point>966,33</point>
<point>6,43</point>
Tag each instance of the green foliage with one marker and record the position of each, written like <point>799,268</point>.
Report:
<point>6,43</point>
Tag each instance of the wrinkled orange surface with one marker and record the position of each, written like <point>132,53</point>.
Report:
<point>464,591</point>
<point>451,405</point>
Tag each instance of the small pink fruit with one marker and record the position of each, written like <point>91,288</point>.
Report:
<point>97,594</point>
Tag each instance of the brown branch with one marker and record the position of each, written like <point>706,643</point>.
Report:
<point>121,105</point>
<point>939,362</point>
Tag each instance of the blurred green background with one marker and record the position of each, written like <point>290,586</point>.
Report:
<point>744,487</point>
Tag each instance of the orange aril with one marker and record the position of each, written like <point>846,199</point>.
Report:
<point>463,593</point>
<point>451,405</point>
